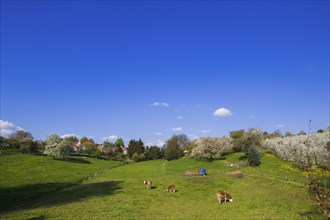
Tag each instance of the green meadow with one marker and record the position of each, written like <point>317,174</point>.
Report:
<point>38,187</point>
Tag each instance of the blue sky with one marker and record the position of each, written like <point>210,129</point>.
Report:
<point>151,69</point>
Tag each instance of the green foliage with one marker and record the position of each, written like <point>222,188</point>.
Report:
<point>154,153</point>
<point>243,140</point>
<point>235,135</point>
<point>20,134</point>
<point>320,131</point>
<point>237,139</point>
<point>288,134</point>
<point>27,145</point>
<point>301,132</point>
<point>173,148</point>
<point>112,152</point>
<point>182,140</point>
<point>21,140</point>
<point>138,157</point>
<point>135,147</point>
<point>121,156</point>
<point>107,144</point>
<point>90,150</point>
<point>119,142</point>
<point>4,144</point>
<point>253,157</point>
<point>274,134</point>
<point>72,139</point>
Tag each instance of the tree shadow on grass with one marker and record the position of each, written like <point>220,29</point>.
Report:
<point>312,214</point>
<point>222,158</point>
<point>13,196</point>
<point>244,157</point>
<point>40,217</point>
<point>74,160</point>
<point>11,200</point>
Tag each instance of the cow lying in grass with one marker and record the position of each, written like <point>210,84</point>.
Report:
<point>223,196</point>
<point>148,183</point>
<point>171,188</point>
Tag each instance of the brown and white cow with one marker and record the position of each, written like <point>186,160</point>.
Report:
<point>223,196</point>
<point>148,183</point>
<point>171,188</point>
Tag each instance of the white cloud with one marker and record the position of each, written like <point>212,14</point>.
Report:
<point>7,128</point>
<point>159,133</point>
<point>205,131</point>
<point>252,117</point>
<point>177,129</point>
<point>6,132</point>
<point>180,117</point>
<point>158,143</point>
<point>6,124</point>
<point>69,135</point>
<point>110,138</point>
<point>160,104</point>
<point>280,125</point>
<point>222,113</point>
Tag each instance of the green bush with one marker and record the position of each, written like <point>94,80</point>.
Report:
<point>138,157</point>
<point>253,157</point>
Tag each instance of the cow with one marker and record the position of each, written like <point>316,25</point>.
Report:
<point>223,196</point>
<point>171,188</point>
<point>148,183</point>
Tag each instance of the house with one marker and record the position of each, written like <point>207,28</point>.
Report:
<point>124,150</point>
<point>101,148</point>
<point>76,146</point>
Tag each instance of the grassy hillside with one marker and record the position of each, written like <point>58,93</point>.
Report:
<point>119,193</point>
<point>24,177</point>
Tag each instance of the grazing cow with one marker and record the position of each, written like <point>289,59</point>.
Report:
<point>171,188</point>
<point>148,183</point>
<point>223,196</point>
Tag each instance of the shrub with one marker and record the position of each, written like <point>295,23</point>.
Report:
<point>244,140</point>
<point>253,157</point>
<point>138,157</point>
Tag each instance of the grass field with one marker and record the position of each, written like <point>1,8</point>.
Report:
<point>24,177</point>
<point>117,192</point>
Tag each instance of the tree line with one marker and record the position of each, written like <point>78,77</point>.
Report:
<point>56,146</point>
<point>207,148</point>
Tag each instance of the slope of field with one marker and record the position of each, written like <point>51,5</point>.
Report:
<point>275,190</point>
<point>24,177</point>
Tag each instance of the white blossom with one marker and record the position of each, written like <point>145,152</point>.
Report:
<point>211,147</point>
<point>299,149</point>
